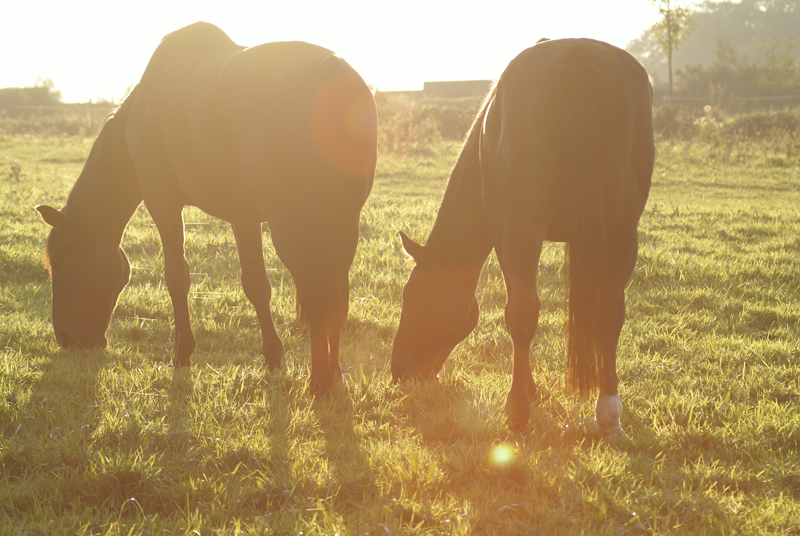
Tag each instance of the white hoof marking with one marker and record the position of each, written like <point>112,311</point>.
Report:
<point>607,413</point>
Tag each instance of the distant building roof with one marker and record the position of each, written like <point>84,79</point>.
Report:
<point>457,88</point>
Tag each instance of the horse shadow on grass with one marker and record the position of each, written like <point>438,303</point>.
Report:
<point>48,420</point>
<point>456,409</point>
<point>551,467</point>
<point>351,478</point>
<point>57,393</point>
<point>303,448</point>
<point>340,420</point>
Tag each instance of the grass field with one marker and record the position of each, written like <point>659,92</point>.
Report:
<point>116,442</point>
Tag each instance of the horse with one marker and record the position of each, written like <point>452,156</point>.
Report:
<point>284,133</point>
<point>561,150</point>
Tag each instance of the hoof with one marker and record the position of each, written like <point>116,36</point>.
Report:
<point>273,364</point>
<point>518,409</point>
<point>517,426</point>
<point>320,386</point>
<point>184,347</point>
<point>617,438</point>
<point>614,434</point>
<point>607,413</point>
<point>273,356</point>
<point>181,361</point>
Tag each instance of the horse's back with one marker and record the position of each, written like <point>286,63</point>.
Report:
<point>185,62</point>
<point>552,75</point>
<point>547,94</point>
<point>231,123</point>
<point>188,46</point>
<point>167,143</point>
<point>302,119</point>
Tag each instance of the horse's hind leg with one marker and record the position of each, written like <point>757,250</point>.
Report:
<point>176,271</point>
<point>609,408</point>
<point>325,341</point>
<point>257,288</point>
<point>519,252</point>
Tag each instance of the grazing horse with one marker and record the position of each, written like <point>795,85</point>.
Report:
<point>561,150</point>
<point>284,133</point>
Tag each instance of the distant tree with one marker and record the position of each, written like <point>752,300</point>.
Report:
<point>724,67</point>
<point>743,23</point>
<point>719,79</point>
<point>53,95</point>
<point>775,72</point>
<point>724,54</point>
<point>675,26</point>
<point>41,94</point>
<point>780,69</point>
<point>648,51</point>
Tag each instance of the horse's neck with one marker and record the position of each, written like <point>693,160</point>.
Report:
<point>461,233</point>
<point>106,194</point>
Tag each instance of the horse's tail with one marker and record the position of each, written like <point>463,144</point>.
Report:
<point>589,286</point>
<point>337,152</point>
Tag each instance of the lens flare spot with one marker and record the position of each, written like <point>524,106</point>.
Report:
<point>344,125</point>
<point>501,455</point>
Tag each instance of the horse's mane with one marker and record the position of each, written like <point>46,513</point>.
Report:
<point>124,108</point>
<point>477,124</point>
<point>471,140</point>
<point>46,258</point>
<point>462,190</point>
<point>122,112</point>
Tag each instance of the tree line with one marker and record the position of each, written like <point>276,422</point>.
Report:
<point>742,54</point>
<point>42,94</point>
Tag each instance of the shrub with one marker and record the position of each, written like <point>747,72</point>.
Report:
<point>766,124</point>
<point>673,122</point>
<point>62,120</point>
<point>410,125</point>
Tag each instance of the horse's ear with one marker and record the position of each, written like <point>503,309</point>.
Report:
<point>412,248</point>
<point>53,217</point>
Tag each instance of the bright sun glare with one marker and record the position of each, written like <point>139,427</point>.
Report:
<point>94,49</point>
<point>501,455</point>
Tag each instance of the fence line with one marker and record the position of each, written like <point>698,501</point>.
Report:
<point>65,106</point>
<point>732,99</point>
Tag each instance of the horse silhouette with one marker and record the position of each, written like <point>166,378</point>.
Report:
<point>284,133</point>
<point>561,150</point>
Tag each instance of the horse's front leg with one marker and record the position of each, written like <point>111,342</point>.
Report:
<point>321,381</point>
<point>335,327</point>
<point>257,288</point>
<point>520,250</point>
<point>176,272</point>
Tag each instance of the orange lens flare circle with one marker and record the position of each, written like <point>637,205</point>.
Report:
<point>344,125</point>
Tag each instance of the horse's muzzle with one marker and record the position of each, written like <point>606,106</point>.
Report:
<point>67,339</point>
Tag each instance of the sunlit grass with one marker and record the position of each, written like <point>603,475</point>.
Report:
<point>114,441</point>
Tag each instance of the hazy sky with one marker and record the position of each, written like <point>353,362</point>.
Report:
<point>95,49</point>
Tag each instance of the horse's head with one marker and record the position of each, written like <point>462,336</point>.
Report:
<point>87,276</point>
<point>439,311</point>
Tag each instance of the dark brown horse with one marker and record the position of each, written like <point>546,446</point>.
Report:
<point>561,150</point>
<point>283,133</point>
